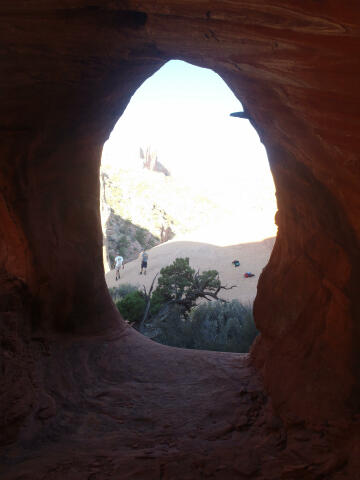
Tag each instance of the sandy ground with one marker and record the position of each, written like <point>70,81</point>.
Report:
<point>253,257</point>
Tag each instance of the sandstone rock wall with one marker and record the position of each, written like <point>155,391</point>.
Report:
<point>68,71</point>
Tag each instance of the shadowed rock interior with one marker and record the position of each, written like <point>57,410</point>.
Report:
<point>83,396</point>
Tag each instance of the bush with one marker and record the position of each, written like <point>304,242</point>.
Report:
<point>157,303</point>
<point>226,327</point>
<point>219,326</point>
<point>117,293</point>
<point>140,236</point>
<point>170,328</point>
<point>132,307</point>
<point>121,245</point>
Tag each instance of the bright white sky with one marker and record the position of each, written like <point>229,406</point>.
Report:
<point>183,112</point>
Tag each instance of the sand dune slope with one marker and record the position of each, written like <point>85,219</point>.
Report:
<point>252,256</point>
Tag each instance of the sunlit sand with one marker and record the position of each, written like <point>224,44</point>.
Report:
<point>253,256</point>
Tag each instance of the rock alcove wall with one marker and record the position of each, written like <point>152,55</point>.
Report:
<point>67,72</point>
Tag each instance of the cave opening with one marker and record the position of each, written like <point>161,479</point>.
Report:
<point>182,179</point>
<point>84,396</point>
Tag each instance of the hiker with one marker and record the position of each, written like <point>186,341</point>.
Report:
<point>119,262</point>
<point>144,259</point>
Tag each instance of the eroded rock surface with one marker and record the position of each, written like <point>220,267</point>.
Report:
<point>67,72</point>
<point>122,406</point>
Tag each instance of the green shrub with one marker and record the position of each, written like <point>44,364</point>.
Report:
<point>127,227</point>
<point>170,328</point>
<point>219,326</point>
<point>117,293</point>
<point>121,245</point>
<point>140,236</point>
<point>157,302</point>
<point>132,307</point>
<point>227,327</point>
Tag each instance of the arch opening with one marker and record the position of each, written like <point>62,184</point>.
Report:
<point>182,178</point>
<point>295,66</point>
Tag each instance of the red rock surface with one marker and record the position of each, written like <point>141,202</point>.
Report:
<point>81,396</point>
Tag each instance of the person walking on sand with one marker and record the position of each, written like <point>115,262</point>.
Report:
<point>119,262</point>
<point>144,260</point>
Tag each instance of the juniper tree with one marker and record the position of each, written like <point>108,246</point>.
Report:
<point>181,285</point>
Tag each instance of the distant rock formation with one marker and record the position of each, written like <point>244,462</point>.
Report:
<point>166,233</point>
<point>125,238</point>
<point>140,209</point>
<point>151,162</point>
<point>121,236</point>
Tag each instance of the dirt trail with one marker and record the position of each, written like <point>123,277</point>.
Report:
<point>252,256</point>
<point>139,410</point>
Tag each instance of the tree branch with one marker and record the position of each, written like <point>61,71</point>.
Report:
<point>148,302</point>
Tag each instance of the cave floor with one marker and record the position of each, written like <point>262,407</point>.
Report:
<point>125,407</point>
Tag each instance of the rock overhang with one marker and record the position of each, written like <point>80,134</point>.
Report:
<point>70,72</point>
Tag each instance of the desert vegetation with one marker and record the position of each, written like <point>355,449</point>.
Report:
<point>185,310</point>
